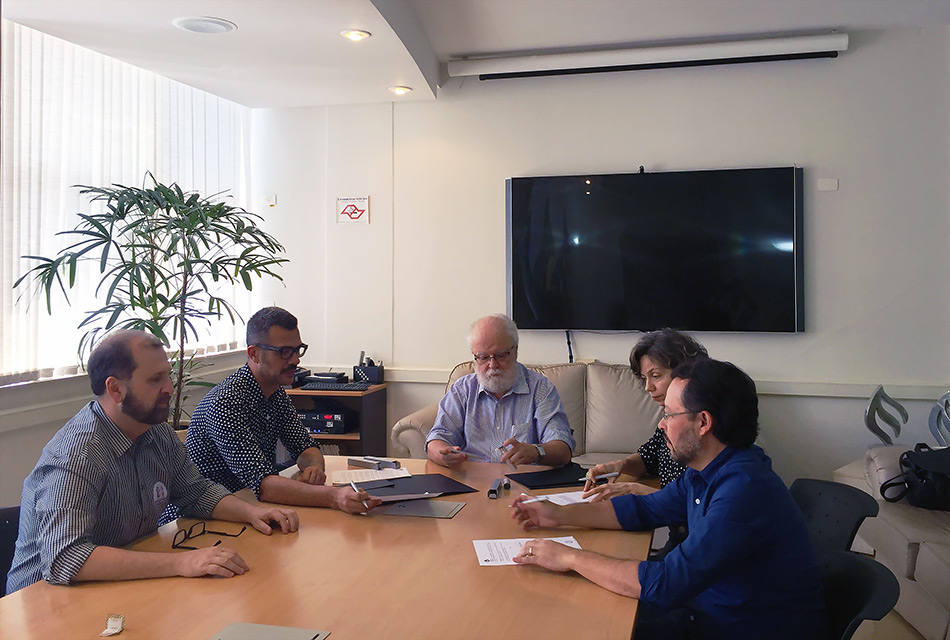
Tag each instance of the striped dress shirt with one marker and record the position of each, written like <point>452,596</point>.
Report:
<point>94,486</point>
<point>475,420</point>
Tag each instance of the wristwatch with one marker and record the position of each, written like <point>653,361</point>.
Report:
<point>540,452</point>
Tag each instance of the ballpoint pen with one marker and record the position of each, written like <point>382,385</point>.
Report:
<point>503,449</point>
<point>531,500</point>
<point>602,476</point>
<point>353,484</point>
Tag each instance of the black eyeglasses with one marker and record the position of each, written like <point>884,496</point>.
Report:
<point>667,416</point>
<point>499,357</point>
<point>286,353</point>
<point>198,529</point>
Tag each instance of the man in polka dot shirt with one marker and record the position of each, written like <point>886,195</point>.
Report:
<point>233,432</point>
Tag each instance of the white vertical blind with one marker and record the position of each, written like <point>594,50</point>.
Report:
<point>73,116</point>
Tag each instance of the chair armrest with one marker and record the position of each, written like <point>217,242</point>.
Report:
<point>409,434</point>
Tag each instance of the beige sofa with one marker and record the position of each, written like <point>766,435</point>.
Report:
<point>609,413</point>
<point>913,543</point>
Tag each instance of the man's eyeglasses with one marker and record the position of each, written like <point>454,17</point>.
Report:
<point>499,357</point>
<point>198,529</point>
<point>286,353</point>
<point>666,416</point>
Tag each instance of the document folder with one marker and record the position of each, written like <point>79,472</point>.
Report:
<point>423,509</point>
<point>565,476</point>
<point>418,484</point>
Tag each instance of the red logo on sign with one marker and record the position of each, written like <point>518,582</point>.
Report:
<point>351,211</point>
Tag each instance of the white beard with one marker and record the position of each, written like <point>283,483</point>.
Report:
<point>497,381</point>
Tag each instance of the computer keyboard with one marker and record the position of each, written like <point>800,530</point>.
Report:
<point>336,386</point>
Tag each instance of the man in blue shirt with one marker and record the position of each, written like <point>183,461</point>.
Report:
<point>503,412</point>
<point>747,568</point>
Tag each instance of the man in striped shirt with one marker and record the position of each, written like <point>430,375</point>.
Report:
<point>503,412</point>
<point>105,477</point>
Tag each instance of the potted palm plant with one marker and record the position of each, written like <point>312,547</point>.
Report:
<point>163,257</point>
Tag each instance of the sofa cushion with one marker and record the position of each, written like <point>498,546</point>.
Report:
<point>569,380</point>
<point>920,609</point>
<point>898,530</point>
<point>853,475</point>
<point>933,571</point>
<point>620,414</point>
<point>461,369</point>
<point>881,464</point>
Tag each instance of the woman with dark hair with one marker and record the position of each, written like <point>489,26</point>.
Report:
<point>652,361</point>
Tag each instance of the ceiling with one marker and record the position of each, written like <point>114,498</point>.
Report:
<point>290,52</point>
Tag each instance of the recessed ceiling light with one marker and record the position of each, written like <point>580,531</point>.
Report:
<point>355,34</point>
<point>204,24</point>
<point>400,91</point>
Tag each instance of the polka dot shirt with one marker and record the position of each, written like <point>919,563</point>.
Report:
<point>232,436</point>
<point>656,458</point>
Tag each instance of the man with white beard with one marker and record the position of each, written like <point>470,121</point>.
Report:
<point>503,412</point>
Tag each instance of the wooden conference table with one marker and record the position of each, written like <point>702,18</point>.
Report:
<point>373,576</point>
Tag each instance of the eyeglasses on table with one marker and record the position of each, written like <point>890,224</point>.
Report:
<point>199,529</point>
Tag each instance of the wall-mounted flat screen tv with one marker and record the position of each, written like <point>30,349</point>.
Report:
<point>716,250</point>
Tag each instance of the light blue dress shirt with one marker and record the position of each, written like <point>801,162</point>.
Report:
<point>475,420</point>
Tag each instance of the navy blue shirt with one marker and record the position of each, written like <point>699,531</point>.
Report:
<point>748,568</point>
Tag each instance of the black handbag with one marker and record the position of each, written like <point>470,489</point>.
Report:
<point>924,479</point>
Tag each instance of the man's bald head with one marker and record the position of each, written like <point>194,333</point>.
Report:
<point>494,326</point>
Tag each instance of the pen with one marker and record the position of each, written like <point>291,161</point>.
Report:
<point>352,484</point>
<point>600,477</point>
<point>530,499</point>
<point>511,466</point>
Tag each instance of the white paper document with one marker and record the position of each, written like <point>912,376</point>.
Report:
<point>568,497</point>
<point>339,478</point>
<point>497,553</point>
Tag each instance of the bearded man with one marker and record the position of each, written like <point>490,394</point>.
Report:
<point>747,569</point>
<point>104,478</point>
<point>503,412</point>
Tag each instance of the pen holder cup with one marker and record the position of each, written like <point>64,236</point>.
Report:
<point>368,374</point>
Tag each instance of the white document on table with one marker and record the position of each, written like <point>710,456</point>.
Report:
<point>497,553</point>
<point>568,497</point>
<point>340,478</point>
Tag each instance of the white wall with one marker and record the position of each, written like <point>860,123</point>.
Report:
<point>406,287</point>
<point>433,258</point>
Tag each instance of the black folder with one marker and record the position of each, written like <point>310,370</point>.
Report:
<point>424,483</point>
<point>566,476</point>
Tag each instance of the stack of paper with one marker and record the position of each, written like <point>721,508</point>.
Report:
<point>339,478</point>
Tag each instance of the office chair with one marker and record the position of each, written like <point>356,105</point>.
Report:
<point>833,511</point>
<point>9,526</point>
<point>856,588</point>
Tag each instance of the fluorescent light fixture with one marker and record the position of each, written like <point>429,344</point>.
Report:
<point>204,24</point>
<point>355,34</point>
<point>400,90</point>
<point>659,57</point>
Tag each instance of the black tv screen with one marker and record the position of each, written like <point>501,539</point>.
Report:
<point>716,250</point>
